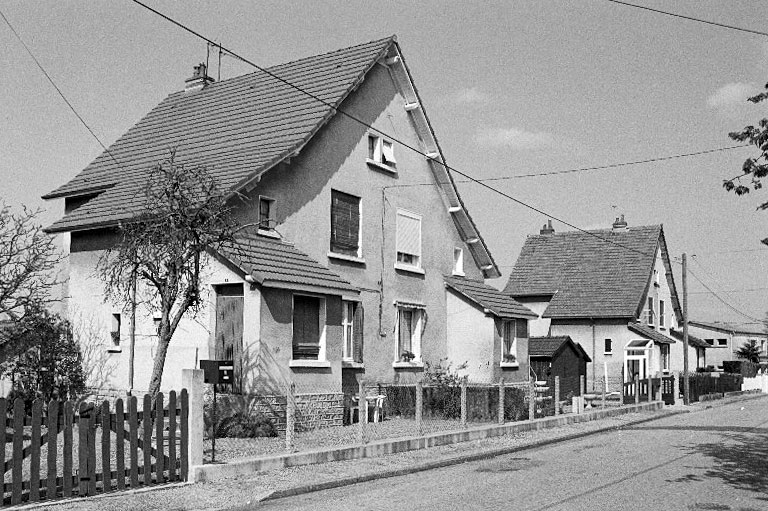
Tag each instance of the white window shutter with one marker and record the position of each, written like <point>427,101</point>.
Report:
<point>388,151</point>
<point>408,234</point>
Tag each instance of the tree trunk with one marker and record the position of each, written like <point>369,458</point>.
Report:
<point>157,369</point>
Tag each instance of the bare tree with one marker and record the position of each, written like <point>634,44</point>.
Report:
<point>184,215</point>
<point>28,259</point>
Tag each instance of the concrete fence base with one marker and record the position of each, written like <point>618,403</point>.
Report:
<point>203,473</point>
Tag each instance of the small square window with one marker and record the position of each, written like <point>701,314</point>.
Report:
<point>381,152</point>
<point>722,342</point>
<point>115,332</point>
<point>608,347</point>
<point>308,328</point>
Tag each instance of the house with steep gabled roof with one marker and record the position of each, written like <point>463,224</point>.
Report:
<point>342,270</point>
<point>487,331</point>
<point>612,291</point>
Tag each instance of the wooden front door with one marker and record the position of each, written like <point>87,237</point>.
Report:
<point>229,328</point>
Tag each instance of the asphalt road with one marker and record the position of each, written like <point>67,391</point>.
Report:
<point>713,459</point>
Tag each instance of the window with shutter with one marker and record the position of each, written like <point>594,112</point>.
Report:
<point>345,224</point>
<point>266,213</point>
<point>408,334</point>
<point>408,239</point>
<point>608,347</point>
<point>307,328</point>
<point>509,342</point>
<point>352,327</point>
<point>357,334</point>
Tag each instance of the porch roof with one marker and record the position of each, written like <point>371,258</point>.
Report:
<point>650,333</point>
<point>274,263</point>
<point>489,298</point>
<point>692,340</point>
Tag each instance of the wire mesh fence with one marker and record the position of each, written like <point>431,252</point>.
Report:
<point>299,417</point>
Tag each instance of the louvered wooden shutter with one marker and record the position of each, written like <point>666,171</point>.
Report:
<point>521,328</point>
<point>408,234</point>
<point>357,333</point>
<point>345,223</point>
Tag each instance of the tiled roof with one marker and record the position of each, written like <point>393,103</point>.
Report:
<point>274,263</point>
<point>600,274</point>
<point>737,328</point>
<point>692,340</point>
<point>550,346</point>
<point>236,128</point>
<point>650,333</point>
<point>498,303</point>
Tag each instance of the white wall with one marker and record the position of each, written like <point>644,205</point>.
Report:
<point>470,338</point>
<point>107,366</point>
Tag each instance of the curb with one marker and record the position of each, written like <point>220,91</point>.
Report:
<point>105,496</point>
<point>491,453</point>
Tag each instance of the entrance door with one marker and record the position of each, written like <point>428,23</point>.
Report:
<point>229,328</point>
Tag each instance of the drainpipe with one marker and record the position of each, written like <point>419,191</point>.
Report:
<point>594,352</point>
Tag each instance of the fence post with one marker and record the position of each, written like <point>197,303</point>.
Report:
<point>290,415</point>
<point>464,402</point>
<point>676,386</point>
<point>557,395</point>
<point>501,400</point>
<point>362,412</point>
<point>192,380</point>
<point>637,390</point>
<point>650,387</point>
<point>419,407</point>
<point>531,399</point>
<point>582,385</point>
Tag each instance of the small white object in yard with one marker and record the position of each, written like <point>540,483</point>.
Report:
<point>741,408</point>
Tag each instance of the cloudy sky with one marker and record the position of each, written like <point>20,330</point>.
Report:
<point>512,89</point>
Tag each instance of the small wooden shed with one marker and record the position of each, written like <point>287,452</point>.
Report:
<point>559,356</point>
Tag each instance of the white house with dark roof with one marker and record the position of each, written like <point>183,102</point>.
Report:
<point>487,330</point>
<point>344,273</point>
<point>611,290</point>
<point>725,338</point>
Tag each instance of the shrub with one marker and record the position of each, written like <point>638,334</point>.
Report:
<point>515,407</point>
<point>237,417</point>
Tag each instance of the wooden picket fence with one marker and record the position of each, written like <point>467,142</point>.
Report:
<point>137,448</point>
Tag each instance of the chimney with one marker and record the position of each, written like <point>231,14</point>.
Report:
<point>198,80</point>
<point>620,225</point>
<point>547,229</point>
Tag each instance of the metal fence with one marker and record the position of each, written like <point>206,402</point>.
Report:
<point>277,419</point>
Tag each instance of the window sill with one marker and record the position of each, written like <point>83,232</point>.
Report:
<point>309,363</point>
<point>271,233</point>
<point>345,257</point>
<point>408,365</point>
<point>381,166</point>
<point>459,274</point>
<point>509,364</point>
<point>115,349</point>
<point>608,353</point>
<point>348,364</point>
<point>409,268</point>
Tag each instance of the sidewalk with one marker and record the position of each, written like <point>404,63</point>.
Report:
<point>245,490</point>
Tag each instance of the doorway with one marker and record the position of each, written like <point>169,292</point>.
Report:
<point>228,336</point>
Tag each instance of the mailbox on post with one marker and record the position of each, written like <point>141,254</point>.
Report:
<point>217,372</point>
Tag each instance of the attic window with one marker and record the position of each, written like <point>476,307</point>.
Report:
<point>381,153</point>
<point>266,213</point>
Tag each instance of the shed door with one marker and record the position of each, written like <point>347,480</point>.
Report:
<point>229,327</point>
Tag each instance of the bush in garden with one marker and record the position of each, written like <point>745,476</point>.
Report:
<point>442,389</point>
<point>237,417</point>
<point>515,406</point>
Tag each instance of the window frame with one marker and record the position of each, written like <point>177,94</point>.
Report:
<point>650,312</point>
<point>608,346</point>
<point>115,333</point>
<point>270,226</point>
<point>334,251</point>
<point>662,312</point>
<point>378,147</point>
<point>458,262</point>
<point>722,342</point>
<point>348,330</point>
<point>514,329</point>
<point>322,358</point>
<point>417,325</point>
<point>664,355</point>
<point>402,265</point>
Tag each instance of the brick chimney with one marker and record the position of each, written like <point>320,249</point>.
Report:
<point>198,80</point>
<point>547,229</point>
<point>620,225</point>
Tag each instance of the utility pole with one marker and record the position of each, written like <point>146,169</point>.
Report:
<point>686,382</point>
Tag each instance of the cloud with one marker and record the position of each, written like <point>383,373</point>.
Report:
<point>471,96</point>
<point>732,94</point>
<point>515,138</point>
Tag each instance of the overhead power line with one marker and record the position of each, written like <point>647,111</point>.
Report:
<point>50,80</point>
<point>368,126</point>
<point>721,299</point>
<point>690,18</point>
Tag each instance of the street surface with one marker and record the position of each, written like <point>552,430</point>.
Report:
<point>714,459</point>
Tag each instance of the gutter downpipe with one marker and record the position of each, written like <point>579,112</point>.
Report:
<point>594,353</point>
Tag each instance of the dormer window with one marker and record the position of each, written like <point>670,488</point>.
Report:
<point>381,153</point>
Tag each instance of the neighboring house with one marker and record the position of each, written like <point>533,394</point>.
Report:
<point>344,273</point>
<point>487,330</point>
<point>610,290</point>
<point>725,339</point>
<point>559,356</point>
